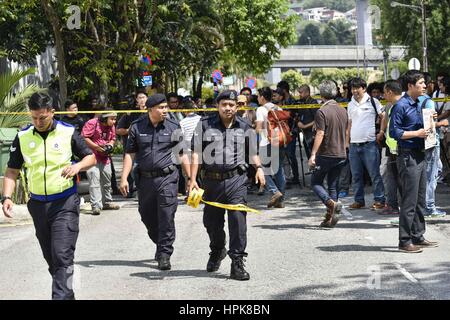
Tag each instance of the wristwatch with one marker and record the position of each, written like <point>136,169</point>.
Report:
<point>259,167</point>
<point>5,197</point>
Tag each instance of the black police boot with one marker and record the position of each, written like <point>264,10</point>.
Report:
<point>237,270</point>
<point>164,263</point>
<point>215,258</point>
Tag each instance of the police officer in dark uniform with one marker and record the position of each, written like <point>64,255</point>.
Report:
<point>220,140</point>
<point>152,140</point>
<point>46,149</point>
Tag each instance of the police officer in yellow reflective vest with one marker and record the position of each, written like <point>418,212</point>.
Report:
<point>46,149</point>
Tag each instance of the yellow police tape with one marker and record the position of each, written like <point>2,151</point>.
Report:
<point>288,107</point>
<point>195,197</point>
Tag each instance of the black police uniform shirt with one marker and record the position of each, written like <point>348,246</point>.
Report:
<point>154,146</point>
<point>223,149</point>
<point>79,147</point>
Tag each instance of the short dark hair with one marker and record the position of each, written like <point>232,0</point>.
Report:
<point>254,99</point>
<point>283,85</point>
<point>304,87</point>
<point>411,77</point>
<point>245,89</point>
<point>209,101</point>
<point>358,83</point>
<point>188,102</point>
<point>172,95</point>
<point>279,91</point>
<point>442,74</point>
<point>266,93</point>
<point>393,85</point>
<point>68,103</point>
<point>427,77</point>
<point>141,92</point>
<point>39,101</point>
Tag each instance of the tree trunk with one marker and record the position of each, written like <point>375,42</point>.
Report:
<point>198,92</point>
<point>166,82</point>
<point>194,82</point>
<point>53,18</point>
<point>175,82</point>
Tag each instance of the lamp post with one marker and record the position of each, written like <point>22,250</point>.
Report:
<point>421,9</point>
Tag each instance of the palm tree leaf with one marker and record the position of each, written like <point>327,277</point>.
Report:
<point>17,102</point>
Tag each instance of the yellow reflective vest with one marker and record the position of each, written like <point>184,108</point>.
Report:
<point>390,142</point>
<point>44,161</point>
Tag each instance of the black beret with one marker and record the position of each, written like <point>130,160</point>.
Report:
<point>155,99</point>
<point>227,95</point>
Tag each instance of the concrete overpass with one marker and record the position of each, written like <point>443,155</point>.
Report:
<point>307,57</point>
<point>335,56</point>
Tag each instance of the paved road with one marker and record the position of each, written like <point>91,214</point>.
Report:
<point>290,257</point>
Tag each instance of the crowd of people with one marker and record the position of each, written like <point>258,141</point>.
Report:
<point>250,143</point>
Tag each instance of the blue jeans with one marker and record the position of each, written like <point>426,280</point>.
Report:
<point>434,169</point>
<point>366,156</point>
<point>331,169</point>
<point>273,173</point>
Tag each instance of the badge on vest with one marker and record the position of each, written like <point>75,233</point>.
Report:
<point>32,145</point>
<point>56,146</point>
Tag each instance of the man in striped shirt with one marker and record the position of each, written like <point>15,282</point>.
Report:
<point>189,123</point>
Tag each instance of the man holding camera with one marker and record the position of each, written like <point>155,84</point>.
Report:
<point>100,135</point>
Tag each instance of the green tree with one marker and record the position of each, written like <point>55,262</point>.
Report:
<point>15,101</point>
<point>310,36</point>
<point>339,75</point>
<point>342,29</point>
<point>329,36</point>
<point>294,78</point>
<point>24,31</point>
<point>401,26</point>
<point>254,32</point>
<point>184,38</point>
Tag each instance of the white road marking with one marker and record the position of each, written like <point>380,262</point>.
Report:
<point>407,275</point>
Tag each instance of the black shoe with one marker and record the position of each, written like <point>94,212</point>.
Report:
<point>164,263</point>
<point>215,258</point>
<point>294,181</point>
<point>237,270</point>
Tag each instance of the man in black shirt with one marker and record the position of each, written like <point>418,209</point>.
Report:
<point>73,118</point>
<point>122,130</point>
<point>306,118</point>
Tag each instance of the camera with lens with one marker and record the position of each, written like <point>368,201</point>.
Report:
<point>108,149</point>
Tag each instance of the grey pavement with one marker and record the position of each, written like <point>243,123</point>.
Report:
<point>290,257</point>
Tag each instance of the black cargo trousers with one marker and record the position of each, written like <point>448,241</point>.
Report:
<point>227,191</point>
<point>57,225</point>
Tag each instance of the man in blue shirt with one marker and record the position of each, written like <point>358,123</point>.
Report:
<point>406,126</point>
